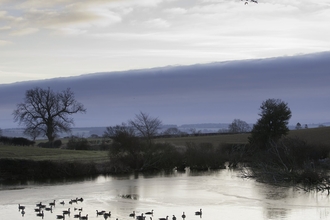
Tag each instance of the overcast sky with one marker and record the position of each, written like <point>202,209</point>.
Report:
<point>205,93</point>
<point>45,39</point>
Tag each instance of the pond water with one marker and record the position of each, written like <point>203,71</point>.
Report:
<point>220,194</point>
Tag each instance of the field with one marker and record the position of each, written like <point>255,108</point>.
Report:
<point>215,139</point>
<point>312,135</point>
<point>39,154</point>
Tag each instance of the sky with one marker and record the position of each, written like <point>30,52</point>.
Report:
<point>46,39</point>
<point>216,92</point>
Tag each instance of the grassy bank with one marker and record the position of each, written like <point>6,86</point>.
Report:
<point>46,154</point>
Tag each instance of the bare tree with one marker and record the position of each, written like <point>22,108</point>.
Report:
<point>239,126</point>
<point>145,125</point>
<point>46,112</point>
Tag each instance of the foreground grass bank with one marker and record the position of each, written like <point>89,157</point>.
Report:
<point>23,163</point>
<point>54,155</point>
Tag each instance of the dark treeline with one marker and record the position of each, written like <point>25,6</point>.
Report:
<point>17,141</point>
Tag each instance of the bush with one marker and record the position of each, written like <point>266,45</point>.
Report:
<point>78,144</point>
<point>17,141</point>
<point>290,160</point>
<point>204,156</point>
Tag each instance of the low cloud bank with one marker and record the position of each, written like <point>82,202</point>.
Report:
<point>202,93</point>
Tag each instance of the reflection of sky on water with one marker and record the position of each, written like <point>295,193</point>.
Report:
<point>221,195</point>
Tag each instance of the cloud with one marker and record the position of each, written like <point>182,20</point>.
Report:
<point>24,31</point>
<point>4,42</point>
<point>125,34</point>
<point>5,28</point>
<point>176,11</point>
<point>214,92</point>
<point>157,23</point>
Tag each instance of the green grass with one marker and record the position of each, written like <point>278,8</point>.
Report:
<point>38,154</point>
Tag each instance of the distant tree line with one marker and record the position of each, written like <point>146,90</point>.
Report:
<point>17,141</point>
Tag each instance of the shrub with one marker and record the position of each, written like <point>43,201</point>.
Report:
<point>203,156</point>
<point>78,144</point>
<point>17,141</point>
<point>290,160</point>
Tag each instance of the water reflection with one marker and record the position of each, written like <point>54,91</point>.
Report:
<point>220,194</point>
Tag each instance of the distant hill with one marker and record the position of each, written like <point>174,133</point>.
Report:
<point>87,132</point>
<point>209,93</point>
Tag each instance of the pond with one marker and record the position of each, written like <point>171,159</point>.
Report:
<point>220,194</point>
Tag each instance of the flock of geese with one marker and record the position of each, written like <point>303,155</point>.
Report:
<point>40,208</point>
<point>247,1</point>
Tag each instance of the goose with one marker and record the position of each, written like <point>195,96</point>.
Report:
<point>99,212</point>
<point>84,217</point>
<point>77,216</point>
<point>23,212</point>
<point>199,212</point>
<point>37,210</point>
<point>52,203</point>
<point>80,200</point>
<point>80,209</point>
<point>183,215</point>
<point>49,208</point>
<point>20,207</point>
<point>62,203</point>
<point>66,211</point>
<point>164,218</point>
<point>140,217</point>
<point>60,216</point>
<point>107,215</point>
<point>39,204</point>
<point>132,214</point>
<point>150,213</point>
<point>40,214</point>
<point>173,218</point>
